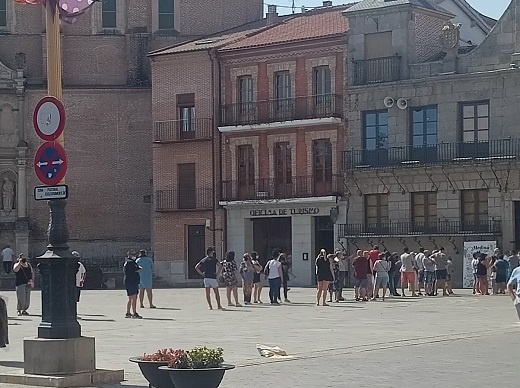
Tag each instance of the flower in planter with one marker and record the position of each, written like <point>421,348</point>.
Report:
<point>204,358</point>
<point>180,359</point>
<point>162,355</point>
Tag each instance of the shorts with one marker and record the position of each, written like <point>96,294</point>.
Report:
<point>441,274</point>
<point>501,278</point>
<point>381,280</point>
<point>256,278</point>
<point>429,276</point>
<point>421,276</point>
<point>370,280</point>
<point>210,283</point>
<point>407,277</point>
<point>132,289</point>
<point>360,283</point>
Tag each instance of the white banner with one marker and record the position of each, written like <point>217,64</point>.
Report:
<point>470,247</point>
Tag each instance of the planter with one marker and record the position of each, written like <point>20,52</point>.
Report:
<point>199,378</point>
<point>156,378</point>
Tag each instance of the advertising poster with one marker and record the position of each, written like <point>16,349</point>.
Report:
<point>470,247</point>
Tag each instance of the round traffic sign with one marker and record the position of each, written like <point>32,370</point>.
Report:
<point>50,163</point>
<point>49,118</point>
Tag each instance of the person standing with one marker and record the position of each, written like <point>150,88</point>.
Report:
<point>273,272</point>
<point>394,273</point>
<point>360,265</point>
<point>450,269</point>
<point>429,274</point>
<point>474,267</point>
<point>381,268</point>
<point>343,272</point>
<point>441,272</point>
<point>501,270</point>
<point>7,259</point>
<point>482,279</point>
<point>209,268</point>
<point>420,270</point>
<point>146,277</point>
<point>80,275</point>
<point>285,276</point>
<point>513,288</point>
<point>24,283</point>
<point>334,285</point>
<point>408,267</point>
<point>324,274</point>
<point>132,280</point>
<point>247,271</point>
<point>257,279</point>
<point>230,276</point>
<point>373,256</point>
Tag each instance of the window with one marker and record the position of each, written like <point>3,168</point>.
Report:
<point>186,106</point>
<point>187,198</point>
<point>283,85</point>
<point>3,13</point>
<point>109,14</point>
<point>474,209</point>
<point>475,122</point>
<point>376,213</point>
<point>424,126</point>
<point>283,168</point>
<point>245,168</point>
<point>166,14</point>
<point>375,138</point>
<point>322,167</point>
<point>424,211</point>
<point>246,96</point>
<point>322,81</point>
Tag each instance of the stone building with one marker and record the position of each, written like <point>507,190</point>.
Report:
<point>251,157</point>
<point>432,142</point>
<point>107,95</point>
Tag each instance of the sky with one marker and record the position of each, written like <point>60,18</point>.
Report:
<point>492,8</point>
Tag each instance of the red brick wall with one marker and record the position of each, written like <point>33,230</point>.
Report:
<point>427,36</point>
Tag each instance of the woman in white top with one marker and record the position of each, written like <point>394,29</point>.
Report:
<point>381,268</point>
<point>273,272</point>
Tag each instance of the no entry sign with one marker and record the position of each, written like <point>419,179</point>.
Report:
<point>49,118</point>
<point>50,163</point>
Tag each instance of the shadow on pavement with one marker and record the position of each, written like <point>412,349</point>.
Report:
<point>95,320</point>
<point>166,308</point>
<point>157,319</point>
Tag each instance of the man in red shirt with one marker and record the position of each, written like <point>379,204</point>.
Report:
<point>374,255</point>
<point>361,266</point>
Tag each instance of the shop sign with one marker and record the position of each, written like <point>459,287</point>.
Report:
<point>284,212</point>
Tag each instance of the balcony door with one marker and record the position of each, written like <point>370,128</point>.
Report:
<point>187,198</point>
<point>246,105</point>
<point>474,210</point>
<point>475,130</point>
<point>186,107</point>
<point>322,150</point>
<point>376,214</point>
<point>376,138</point>
<point>284,102</point>
<point>322,91</point>
<point>424,134</point>
<point>283,170</point>
<point>424,212</point>
<point>246,172</point>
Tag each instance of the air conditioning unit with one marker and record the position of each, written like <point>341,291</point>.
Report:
<point>402,103</point>
<point>389,102</point>
<point>262,194</point>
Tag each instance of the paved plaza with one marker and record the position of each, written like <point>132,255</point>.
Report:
<point>458,341</point>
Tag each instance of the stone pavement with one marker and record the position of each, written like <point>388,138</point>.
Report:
<point>456,341</point>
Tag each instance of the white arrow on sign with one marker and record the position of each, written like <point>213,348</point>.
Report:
<point>58,162</point>
<point>39,164</point>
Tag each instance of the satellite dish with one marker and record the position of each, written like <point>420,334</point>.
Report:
<point>389,102</point>
<point>402,103</point>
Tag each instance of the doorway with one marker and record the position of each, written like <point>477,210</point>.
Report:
<point>271,233</point>
<point>196,248</point>
<point>323,235</point>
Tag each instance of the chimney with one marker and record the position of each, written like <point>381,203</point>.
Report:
<point>272,15</point>
<point>327,3</point>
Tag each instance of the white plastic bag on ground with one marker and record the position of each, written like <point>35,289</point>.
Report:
<point>271,351</point>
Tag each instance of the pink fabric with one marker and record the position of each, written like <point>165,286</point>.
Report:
<point>69,9</point>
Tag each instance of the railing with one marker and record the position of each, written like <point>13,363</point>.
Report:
<point>288,109</point>
<point>295,187</point>
<point>182,130</point>
<point>439,154</point>
<point>377,70</point>
<point>438,228</point>
<point>178,200</point>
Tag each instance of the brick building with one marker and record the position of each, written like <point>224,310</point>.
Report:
<point>432,142</point>
<point>251,158</point>
<point>107,95</point>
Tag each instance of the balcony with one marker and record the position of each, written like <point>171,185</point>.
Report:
<point>267,189</point>
<point>377,70</point>
<point>289,109</point>
<point>440,154</point>
<point>182,130</point>
<point>406,229</point>
<point>181,200</point>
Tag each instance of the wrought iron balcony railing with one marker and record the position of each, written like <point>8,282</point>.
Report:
<point>438,228</point>
<point>295,187</point>
<point>439,154</point>
<point>179,200</point>
<point>182,130</point>
<point>287,109</point>
<point>377,70</point>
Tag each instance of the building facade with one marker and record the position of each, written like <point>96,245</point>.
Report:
<point>107,96</point>
<point>253,159</point>
<point>433,145</point>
